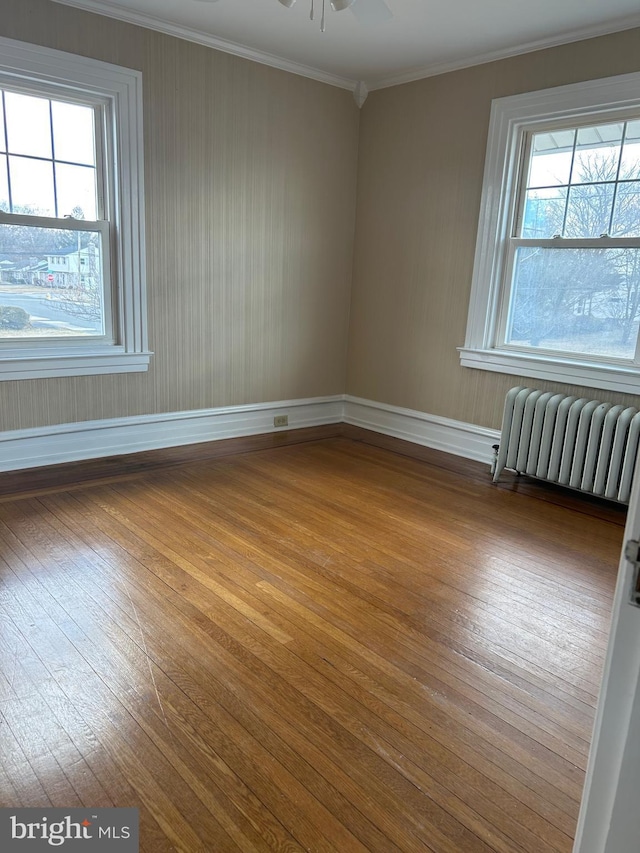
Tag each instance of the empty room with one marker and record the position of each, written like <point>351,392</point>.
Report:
<point>319,417</point>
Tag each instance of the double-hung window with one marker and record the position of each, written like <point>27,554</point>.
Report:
<point>556,289</point>
<point>72,289</point>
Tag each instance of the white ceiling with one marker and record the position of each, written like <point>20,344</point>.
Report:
<point>423,37</point>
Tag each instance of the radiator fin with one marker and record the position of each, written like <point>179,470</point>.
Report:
<point>584,444</point>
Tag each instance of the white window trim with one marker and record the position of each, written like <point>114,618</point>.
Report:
<point>509,116</point>
<point>122,89</point>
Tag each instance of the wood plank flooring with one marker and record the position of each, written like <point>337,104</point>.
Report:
<point>327,647</point>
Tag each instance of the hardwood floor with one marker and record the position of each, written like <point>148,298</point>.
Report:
<point>328,646</point>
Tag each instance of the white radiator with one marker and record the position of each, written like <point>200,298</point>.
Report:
<point>584,444</point>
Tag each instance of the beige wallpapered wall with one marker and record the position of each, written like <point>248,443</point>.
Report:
<point>251,208</point>
<point>422,149</point>
<point>250,211</point>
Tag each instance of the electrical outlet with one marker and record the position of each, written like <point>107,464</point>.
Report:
<point>281,420</point>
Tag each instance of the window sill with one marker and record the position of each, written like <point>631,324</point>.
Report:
<point>65,363</point>
<point>610,377</point>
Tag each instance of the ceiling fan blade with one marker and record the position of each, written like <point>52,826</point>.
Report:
<point>371,12</point>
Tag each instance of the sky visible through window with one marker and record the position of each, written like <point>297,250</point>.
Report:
<point>584,182</point>
<point>47,157</point>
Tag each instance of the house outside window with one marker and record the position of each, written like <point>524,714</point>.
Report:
<point>556,287</point>
<point>72,271</point>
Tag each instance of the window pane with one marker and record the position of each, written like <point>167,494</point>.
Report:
<point>32,186</point>
<point>597,153</point>
<point>626,220</point>
<point>544,212</point>
<point>630,165</point>
<point>576,300</point>
<point>551,156</point>
<point>28,125</point>
<point>4,184</point>
<point>3,146</point>
<point>50,283</point>
<point>589,210</point>
<point>76,191</point>
<point>73,133</point>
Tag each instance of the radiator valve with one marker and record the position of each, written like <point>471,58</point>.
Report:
<point>494,460</point>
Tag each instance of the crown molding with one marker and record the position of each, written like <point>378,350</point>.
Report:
<point>360,93</point>
<point>150,22</point>
<point>582,34</point>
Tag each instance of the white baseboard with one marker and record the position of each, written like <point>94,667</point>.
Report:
<point>30,448</point>
<point>457,437</point>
